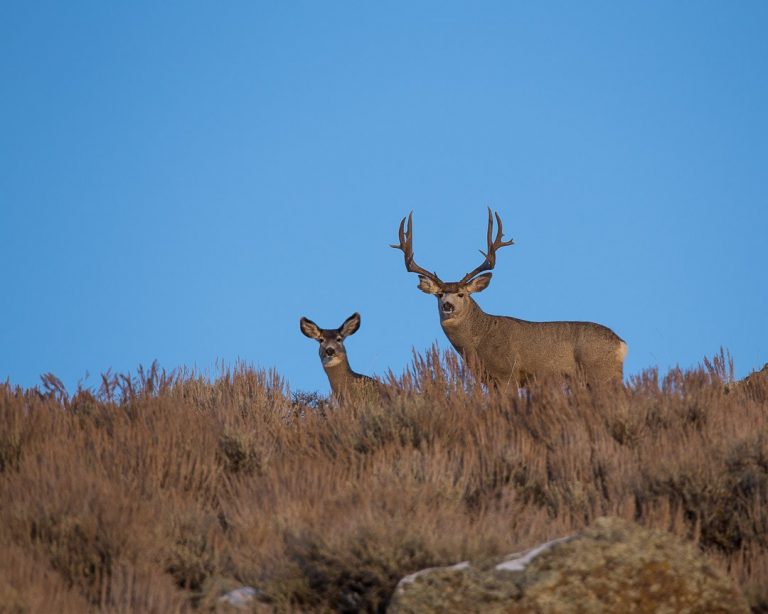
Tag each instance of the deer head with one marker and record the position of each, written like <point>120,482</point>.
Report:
<point>453,297</point>
<point>331,340</point>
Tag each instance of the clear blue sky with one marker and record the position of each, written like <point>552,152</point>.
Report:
<point>182,181</point>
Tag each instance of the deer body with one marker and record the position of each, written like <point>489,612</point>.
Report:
<point>505,351</point>
<point>511,351</point>
<point>346,384</point>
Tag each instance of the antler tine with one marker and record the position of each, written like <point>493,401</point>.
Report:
<point>406,246</point>
<point>490,231</point>
<point>497,243</point>
<point>403,245</point>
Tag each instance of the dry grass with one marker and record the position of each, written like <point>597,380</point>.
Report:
<point>160,492</point>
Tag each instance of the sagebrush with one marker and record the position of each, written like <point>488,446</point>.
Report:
<point>159,492</point>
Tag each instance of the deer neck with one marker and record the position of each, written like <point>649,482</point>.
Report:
<point>466,331</point>
<point>340,375</point>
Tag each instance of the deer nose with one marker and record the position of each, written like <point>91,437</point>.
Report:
<point>447,307</point>
<point>329,351</point>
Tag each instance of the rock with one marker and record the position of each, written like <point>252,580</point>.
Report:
<point>240,598</point>
<point>613,566</point>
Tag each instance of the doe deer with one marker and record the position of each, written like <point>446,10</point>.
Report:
<point>346,385</point>
<point>505,351</point>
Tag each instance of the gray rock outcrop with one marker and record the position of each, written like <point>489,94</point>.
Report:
<point>612,566</point>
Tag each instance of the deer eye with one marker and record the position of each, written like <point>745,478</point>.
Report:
<point>439,295</point>
<point>338,339</point>
<point>460,295</point>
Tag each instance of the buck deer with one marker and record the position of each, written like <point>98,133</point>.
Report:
<point>502,350</point>
<point>345,383</point>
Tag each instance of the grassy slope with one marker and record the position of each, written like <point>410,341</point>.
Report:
<point>158,493</point>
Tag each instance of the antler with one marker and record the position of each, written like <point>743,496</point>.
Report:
<point>406,245</point>
<point>490,257</point>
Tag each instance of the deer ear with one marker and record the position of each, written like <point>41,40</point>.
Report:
<point>478,284</point>
<point>309,328</point>
<point>428,285</point>
<point>350,326</point>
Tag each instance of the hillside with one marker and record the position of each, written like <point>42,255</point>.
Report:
<point>160,492</point>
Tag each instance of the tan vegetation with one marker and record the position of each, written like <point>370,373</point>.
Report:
<point>160,492</point>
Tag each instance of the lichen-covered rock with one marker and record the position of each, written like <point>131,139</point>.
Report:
<point>613,566</point>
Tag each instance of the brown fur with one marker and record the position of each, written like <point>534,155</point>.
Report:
<point>509,351</point>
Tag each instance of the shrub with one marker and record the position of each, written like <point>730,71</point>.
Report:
<point>158,492</point>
